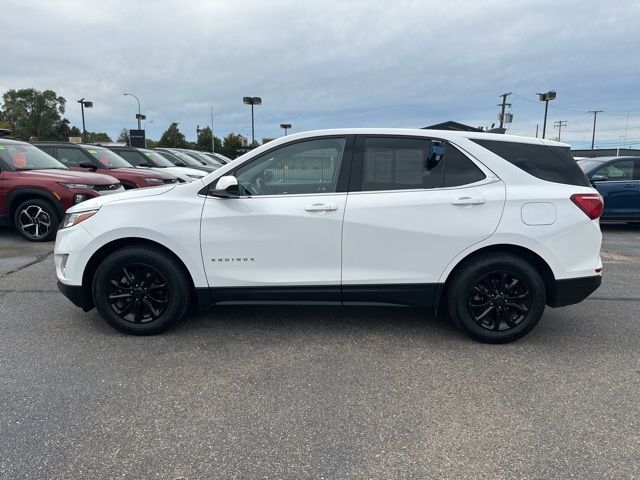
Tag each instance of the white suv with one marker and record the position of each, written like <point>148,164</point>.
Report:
<point>485,228</point>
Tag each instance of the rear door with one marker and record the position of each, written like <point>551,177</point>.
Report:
<point>414,204</point>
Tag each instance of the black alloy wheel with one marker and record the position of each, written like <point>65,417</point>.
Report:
<point>36,220</point>
<point>496,297</point>
<point>141,290</point>
<point>138,293</point>
<point>499,300</point>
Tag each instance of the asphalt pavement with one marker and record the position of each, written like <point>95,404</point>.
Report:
<point>333,393</point>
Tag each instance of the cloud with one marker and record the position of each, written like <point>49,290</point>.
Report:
<point>330,63</point>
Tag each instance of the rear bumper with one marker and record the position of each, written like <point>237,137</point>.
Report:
<point>75,293</point>
<point>573,290</point>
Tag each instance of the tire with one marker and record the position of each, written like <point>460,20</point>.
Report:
<point>141,290</point>
<point>36,220</point>
<point>518,301</point>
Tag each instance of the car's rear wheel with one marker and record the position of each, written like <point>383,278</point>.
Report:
<point>496,298</point>
<point>36,220</point>
<point>141,290</point>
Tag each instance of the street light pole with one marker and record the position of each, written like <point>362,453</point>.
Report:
<point>139,116</point>
<point>252,101</point>
<point>84,103</point>
<point>545,97</point>
<point>285,126</point>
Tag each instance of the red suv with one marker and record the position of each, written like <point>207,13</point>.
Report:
<point>36,189</point>
<point>94,158</point>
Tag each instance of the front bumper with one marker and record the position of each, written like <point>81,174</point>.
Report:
<point>572,290</point>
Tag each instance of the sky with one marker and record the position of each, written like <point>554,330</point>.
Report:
<point>332,63</point>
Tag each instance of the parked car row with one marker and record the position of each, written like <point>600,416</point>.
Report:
<point>39,181</point>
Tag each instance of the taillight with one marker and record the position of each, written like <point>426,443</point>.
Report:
<point>590,203</point>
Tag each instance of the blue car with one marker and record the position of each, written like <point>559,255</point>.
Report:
<point>618,181</point>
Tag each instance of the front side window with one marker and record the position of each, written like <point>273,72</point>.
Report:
<point>107,158</point>
<point>302,168</point>
<point>620,171</point>
<point>134,158</point>
<point>72,157</point>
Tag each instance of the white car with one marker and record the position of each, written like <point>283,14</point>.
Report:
<point>145,158</point>
<point>486,228</point>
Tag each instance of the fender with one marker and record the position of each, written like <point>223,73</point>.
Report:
<point>12,199</point>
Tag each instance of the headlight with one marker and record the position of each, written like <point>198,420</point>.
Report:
<point>77,186</point>
<point>197,177</point>
<point>71,219</point>
<point>159,181</point>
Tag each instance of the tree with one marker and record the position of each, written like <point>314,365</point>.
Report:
<point>123,137</point>
<point>75,132</point>
<point>230,146</point>
<point>94,137</point>
<point>151,143</point>
<point>204,140</point>
<point>172,137</point>
<point>32,113</point>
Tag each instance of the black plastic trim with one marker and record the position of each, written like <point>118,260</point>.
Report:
<point>414,295</point>
<point>573,290</point>
<point>75,293</point>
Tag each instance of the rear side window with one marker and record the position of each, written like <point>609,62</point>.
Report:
<point>414,163</point>
<point>399,163</point>
<point>553,164</point>
<point>458,169</point>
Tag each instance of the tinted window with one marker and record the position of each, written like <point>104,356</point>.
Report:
<point>72,157</point>
<point>134,158</point>
<point>553,164</point>
<point>301,168</point>
<point>458,169</point>
<point>401,163</point>
<point>107,158</point>
<point>621,170</point>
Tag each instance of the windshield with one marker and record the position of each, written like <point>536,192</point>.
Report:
<point>157,159</point>
<point>588,165</point>
<point>22,156</point>
<point>107,158</point>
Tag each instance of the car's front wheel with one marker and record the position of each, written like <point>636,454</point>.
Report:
<point>36,220</point>
<point>496,298</point>
<point>141,290</point>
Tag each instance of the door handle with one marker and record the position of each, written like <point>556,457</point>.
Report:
<point>320,207</point>
<point>468,201</point>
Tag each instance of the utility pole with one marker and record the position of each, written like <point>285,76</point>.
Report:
<point>560,124</point>
<point>593,136</point>
<point>504,105</point>
<point>537,130</point>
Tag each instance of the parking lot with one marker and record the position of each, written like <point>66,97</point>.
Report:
<point>266,392</point>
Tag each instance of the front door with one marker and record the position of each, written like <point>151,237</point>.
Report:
<point>281,238</point>
<point>620,189</point>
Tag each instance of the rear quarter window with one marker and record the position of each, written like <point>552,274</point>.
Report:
<point>553,164</point>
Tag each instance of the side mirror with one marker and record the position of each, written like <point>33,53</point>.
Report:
<point>179,163</point>
<point>88,165</point>
<point>599,178</point>
<point>145,164</point>
<point>226,187</point>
